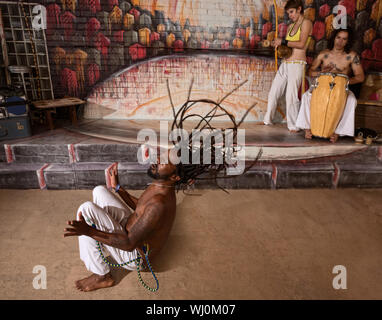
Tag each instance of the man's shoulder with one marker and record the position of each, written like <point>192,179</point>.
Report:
<point>324,52</point>
<point>157,203</point>
<point>353,54</point>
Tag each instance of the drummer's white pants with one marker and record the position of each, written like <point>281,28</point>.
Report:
<point>345,126</point>
<point>109,214</point>
<point>288,79</point>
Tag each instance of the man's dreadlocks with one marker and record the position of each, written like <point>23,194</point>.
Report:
<point>211,169</point>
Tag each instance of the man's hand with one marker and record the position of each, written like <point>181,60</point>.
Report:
<point>114,177</point>
<point>79,228</point>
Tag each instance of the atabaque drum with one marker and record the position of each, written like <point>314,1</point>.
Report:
<point>328,103</point>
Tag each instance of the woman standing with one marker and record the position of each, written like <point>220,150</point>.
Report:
<point>291,72</point>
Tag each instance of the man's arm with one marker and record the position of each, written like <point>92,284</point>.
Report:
<point>315,65</point>
<point>126,241</point>
<point>128,198</point>
<point>359,75</point>
<point>306,28</point>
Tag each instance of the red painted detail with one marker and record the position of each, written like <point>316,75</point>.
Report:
<point>40,176</point>
<point>178,46</point>
<point>52,17</point>
<point>9,153</point>
<point>72,153</point>
<point>67,22</point>
<point>318,30</point>
<point>336,175</point>
<point>350,7</point>
<point>69,81</point>
<point>137,51</point>
<point>283,28</point>
<point>255,39</point>
<point>154,36</point>
<point>112,3</point>
<point>267,27</point>
<point>274,175</point>
<point>92,27</point>
<point>324,10</point>
<point>93,73</point>
<point>118,36</point>
<point>135,13</point>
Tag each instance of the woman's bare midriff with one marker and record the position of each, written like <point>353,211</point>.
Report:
<point>297,54</point>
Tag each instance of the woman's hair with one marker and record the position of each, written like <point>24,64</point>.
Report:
<point>294,4</point>
<point>333,36</point>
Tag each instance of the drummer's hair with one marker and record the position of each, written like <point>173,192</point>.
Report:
<point>349,43</point>
<point>294,4</point>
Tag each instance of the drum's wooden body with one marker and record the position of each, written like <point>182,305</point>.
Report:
<point>328,103</point>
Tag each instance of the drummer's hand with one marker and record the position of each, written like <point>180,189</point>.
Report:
<point>326,68</point>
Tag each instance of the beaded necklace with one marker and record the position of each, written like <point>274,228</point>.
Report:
<point>137,264</point>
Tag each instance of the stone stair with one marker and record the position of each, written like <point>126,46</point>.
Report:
<point>82,166</point>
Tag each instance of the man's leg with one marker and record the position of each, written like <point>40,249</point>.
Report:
<point>346,125</point>
<point>111,203</point>
<point>119,212</point>
<point>89,254</point>
<point>275,93</point>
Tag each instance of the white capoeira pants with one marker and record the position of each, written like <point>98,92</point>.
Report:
<point>345,126</point>
<point>288,79</point>
<point>109,214</point>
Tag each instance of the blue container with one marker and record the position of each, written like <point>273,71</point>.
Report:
<point>17,106</point>
<point>15,128</point>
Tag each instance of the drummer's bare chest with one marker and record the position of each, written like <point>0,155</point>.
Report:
<point>340,63</point>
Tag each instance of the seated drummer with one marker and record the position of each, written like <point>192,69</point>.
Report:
<point>338,58</point>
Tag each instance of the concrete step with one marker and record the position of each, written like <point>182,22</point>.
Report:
<point>68,153</point>
<point>68,176</point>
<point>263,175</point>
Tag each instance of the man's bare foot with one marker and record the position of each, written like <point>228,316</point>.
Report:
<point>333,137</point>
<point>308,134</point>
<point>95,282</point>
<point>294,131</point>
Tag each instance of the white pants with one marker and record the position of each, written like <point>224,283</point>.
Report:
<point>109,214</point>
<point>289,77</point>
<point>345,126</point>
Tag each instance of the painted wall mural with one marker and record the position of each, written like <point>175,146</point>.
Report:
<point>90,40</point>
<point>213,77</point>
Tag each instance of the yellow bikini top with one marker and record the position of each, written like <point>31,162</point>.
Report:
<point>296,36</point>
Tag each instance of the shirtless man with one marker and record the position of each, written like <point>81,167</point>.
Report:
<point>338,58</point>
<point>121,232</point>
<point>291,71</point>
